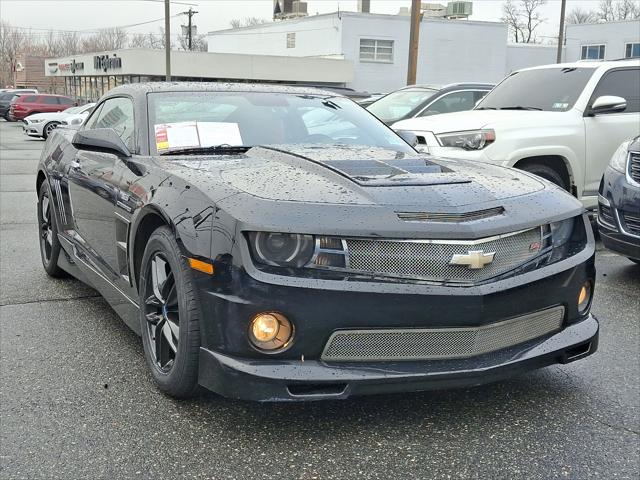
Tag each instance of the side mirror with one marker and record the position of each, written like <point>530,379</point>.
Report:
<point>408,137</point>
<point>101,139</point>
<point>608,104</point>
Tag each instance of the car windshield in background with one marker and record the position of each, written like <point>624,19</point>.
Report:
<point>397,105</point>
<point>548,89</point>
<point>190,120</point>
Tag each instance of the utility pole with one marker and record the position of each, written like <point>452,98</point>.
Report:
<point>414,38</point>
<point>561,32</point>
<point>190,14</point>
<point>167,39</point>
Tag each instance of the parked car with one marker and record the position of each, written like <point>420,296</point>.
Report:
<point>425,100</point>
<point>5,102</point>
<point>619,202</point>
<point>562,122</point>
<point>27,104</point>
<point>365,102</point>
<point>19,90</point>
<point>41,124</point>
<point>268,262</point>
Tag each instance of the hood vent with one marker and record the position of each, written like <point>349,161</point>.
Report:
<point>450,217</point>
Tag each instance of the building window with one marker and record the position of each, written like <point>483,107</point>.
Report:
<point>376,50</point>
<point>291,40</point>
<point>592,52</point>
<point>632,50</point>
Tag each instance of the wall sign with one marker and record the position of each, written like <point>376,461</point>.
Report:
<point>53,67</point>
<point>105,62</point>
<point>73,66</point>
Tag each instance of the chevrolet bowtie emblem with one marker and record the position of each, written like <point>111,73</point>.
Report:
<point>474,259</point>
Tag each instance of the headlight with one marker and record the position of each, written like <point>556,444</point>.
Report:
<point>566,238</point>
<point>619,159</point>
<point>76,121</point>
<point>281,249</point>
<point>35,120</point>
<point>295,250</point>
<point>470,140</point>
<point>561,232</point>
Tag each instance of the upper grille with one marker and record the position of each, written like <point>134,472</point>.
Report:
<point>634,166</point>
<point>440,343</point>
<point>631,222</point>
<point>450,217</point>
<point>430,259</point>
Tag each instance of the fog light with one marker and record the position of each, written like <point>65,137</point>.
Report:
<point>584,297</point>
<point>270,331</point>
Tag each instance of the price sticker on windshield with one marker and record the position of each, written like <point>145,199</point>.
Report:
<point>162,139</point>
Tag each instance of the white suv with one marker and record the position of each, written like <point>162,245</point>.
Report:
<point>562,122</point>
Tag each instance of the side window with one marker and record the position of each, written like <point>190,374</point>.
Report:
<point>30,99</point>
<point>50,101</point>
<point>621,83</point>
<point>452,102</point>
<point>93,118</point>
<point>65,101</point>
<point>116,113</point>
<point>478,95</point>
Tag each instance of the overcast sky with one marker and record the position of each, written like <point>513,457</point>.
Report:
<point>215,14</point>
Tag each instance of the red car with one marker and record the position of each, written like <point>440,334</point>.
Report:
<point>28,104</point>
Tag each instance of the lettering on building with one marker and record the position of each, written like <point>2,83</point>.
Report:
<point>105,62</point>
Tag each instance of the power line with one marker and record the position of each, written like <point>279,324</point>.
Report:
<point>95,30</point>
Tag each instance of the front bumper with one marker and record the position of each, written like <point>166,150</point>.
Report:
<point>33,130</point>
<point>298,380</point>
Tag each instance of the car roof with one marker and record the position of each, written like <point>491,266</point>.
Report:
<point>149,87</point>
<point>630,62</point>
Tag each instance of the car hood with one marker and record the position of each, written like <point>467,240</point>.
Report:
<point>48,116</point>
<point>372,185</point>
<point>471,120</point>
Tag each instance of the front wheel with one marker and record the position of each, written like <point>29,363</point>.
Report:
<point>48,128</point>
<point>48,233</point>
<point>169,316</point>
<point>547,173</point>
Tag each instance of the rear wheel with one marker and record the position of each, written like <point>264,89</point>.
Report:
<point>547,173</point>
<point>48,128</point>
<point>169,316</point>
<point>48,233</point>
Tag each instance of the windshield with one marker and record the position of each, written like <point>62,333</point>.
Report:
<point>72,110</point>
<point>184,120</point>
<point>397,105</point>
<point>549,89</point>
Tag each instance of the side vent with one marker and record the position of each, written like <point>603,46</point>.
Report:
<point>122,234</point>
<point>59,202</point>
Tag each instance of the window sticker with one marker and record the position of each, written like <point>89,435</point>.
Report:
<point>559,106</point>
<point>196,134</point>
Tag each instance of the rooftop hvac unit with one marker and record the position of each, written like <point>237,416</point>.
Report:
<point>433,9</point>
<point>459,9</point>
<point>283,9</point>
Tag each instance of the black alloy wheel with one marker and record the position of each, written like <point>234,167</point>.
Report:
<point>162,313</point>
<point>48,232</point>
<point>169,316</point>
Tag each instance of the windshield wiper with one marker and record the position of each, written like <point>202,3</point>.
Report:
<point>207,150</point>
<point>519,107</point>
<point>485,108</point>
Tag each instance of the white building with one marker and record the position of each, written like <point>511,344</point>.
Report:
<point>449,51</point>
<point>89,76</point>
<point>603,41</point>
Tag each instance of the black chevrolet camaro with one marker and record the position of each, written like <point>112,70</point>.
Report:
<point>275,243</point>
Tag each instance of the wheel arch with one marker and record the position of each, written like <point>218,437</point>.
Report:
<point>40,178</point>
<point>149,220</point>
<point>558,163</point>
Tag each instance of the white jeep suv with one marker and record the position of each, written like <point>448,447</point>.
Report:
<point>562,122</point>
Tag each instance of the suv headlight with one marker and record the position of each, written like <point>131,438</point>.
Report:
<point>619,160</point>
<point>469,140</point>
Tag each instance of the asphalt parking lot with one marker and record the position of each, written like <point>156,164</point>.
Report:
<point>76,400</point>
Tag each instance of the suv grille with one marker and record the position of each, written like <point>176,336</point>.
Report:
<point>430,259</point>
<point>440,343</point>
<point>632,223</point>
<point>634,166</point>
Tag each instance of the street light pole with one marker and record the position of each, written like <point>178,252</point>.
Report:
<point>414,38</point>
<point>167,39</point>
<point>561,32</point>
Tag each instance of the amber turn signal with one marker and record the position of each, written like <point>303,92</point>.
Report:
<point>584,297</point>
<point>201,266</point>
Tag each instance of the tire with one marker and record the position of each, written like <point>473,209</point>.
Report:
<point>48,233</point>
<point>168,302</point>
<point>547,173</point>
<point>48,128</point>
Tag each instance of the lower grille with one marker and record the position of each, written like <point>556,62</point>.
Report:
<point>606,215</point>
<point>431,260</point>
<point>440,343</point>
<point>631,222</point>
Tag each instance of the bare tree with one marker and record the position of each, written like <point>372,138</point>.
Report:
<point>198,43</point>
<point>611,11</point>
<point>523,19</point>
<point>247,22</point>
<point>12,42</point>
<point>578,15</point>
<point>68,43</point>
<point>106,39</point>
<point>511,16</point>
